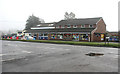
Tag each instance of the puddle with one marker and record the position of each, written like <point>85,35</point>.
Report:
<point>94,54</point>
<point>66,53</point>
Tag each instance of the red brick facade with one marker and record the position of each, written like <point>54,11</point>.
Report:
<point>100,29</point>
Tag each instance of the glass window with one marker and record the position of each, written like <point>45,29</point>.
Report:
<point>62,26</point>
<point>68,26</point>
<point>59,36</point>
<point>57,26</point>
<point>83,37</point>
<point>82,26</point>
<point>74,26</point>
<point>45,34</point>
<point>53,36</point>
<point>75,37</point>
<point>90,26</point>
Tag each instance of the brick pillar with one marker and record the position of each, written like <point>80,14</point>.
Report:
<point>37,36</point>
<point>49,36</point>
<point>63,37</point>
<point>79,37</point>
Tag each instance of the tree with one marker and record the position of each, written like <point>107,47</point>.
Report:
<point>66,15</point>
<point>72,15</point>
<point>69,16</point>
<point>32,21</point>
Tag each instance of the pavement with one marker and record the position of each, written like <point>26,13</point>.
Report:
<point>45,57</point>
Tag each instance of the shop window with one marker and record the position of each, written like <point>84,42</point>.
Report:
<point>83,37</point>
<point>35,34</point>
<point>53,36</point>
<point>40,34</point>
<point>97,35</point>
<point>45,34</point>
<point>59,36</point>
<point>67,36</point>
<point>75,37</point>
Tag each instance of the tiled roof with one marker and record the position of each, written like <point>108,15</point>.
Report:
<point>80,21</point>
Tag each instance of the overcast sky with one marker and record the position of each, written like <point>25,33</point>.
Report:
<point>14,13</point>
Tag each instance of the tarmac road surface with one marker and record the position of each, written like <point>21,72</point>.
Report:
<point>44,57</point>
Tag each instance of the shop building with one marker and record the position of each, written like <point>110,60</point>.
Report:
<point>113,36</point>
<point>83,29</point>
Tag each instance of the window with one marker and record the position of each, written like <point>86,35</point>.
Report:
<point>62,26</point>
<point>57,26</point>
<point>82,26</point>
<point>68,26</point>
<point>83,37</point>
<point>60,36</point>
<point>90,26</point>
<point>40,34</point>
<point>74,26</point>
<point>45,34</point>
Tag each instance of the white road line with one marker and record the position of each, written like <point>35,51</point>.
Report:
<point>2,54</point>
<point>67,49</point>
<point>112,48</point>
<point>8,59</point>
<point>26,51</point>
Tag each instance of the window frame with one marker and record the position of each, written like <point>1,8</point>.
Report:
<point>62,26</point>
<point>69,26</point>
<point>90,26</point>
<point>74,26</point>
<point>82,26</point>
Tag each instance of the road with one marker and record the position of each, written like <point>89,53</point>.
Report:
<point>44,57</point>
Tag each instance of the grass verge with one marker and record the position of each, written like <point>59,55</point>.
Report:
<point>72,43</point>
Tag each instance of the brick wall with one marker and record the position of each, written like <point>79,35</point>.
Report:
<point>100,28</point>
<point>86,25</point>
<point>49,36</point>
<point>94,25</point>
<point>59,26</point>
<point>79,26</point>
<point>71,26</point>
<point>65,26</point>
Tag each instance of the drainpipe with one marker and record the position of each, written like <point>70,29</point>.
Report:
<point>43,36</point>
<point>90,36</point>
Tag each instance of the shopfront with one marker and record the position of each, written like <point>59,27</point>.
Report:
<point>84,37</point>
<point>69,36</point>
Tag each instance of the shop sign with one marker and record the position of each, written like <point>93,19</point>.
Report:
<point>102,36</point>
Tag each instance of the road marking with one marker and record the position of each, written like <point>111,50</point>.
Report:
<point>112,48</point>
<point>67,49</point>
<point>8,59</point>
<point>2,54</point>
<point>26,51</point>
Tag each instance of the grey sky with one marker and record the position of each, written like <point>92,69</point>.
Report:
<point>14,13</point>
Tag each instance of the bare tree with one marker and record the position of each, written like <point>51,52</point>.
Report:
<point>69,16</point>
<point>66,15</point>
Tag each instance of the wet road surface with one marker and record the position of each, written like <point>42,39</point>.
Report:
<point>44,57</point>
